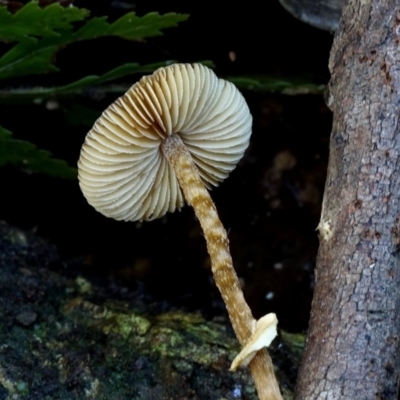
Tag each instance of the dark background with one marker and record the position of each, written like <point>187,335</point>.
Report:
<point>270,204</point>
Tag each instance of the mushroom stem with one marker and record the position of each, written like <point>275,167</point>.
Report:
<point>221,262</point>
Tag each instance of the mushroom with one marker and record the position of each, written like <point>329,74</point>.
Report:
<point>171,136</point>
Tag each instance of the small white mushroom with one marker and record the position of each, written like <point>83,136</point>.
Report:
<point>123,170</point>
<point>173,134</point>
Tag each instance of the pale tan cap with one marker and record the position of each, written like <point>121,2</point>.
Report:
<point>123,172</point>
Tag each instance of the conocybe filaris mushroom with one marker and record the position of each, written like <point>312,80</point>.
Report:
<point>170,137</point>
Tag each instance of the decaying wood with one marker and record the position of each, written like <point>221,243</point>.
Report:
<point>353,341</point>
<point>65,337</point>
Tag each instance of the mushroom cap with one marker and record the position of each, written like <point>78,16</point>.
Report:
<point>123,172</point>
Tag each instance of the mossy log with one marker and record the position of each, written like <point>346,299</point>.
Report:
<point>62,336</point>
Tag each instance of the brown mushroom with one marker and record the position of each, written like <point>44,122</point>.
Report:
<point>173,134</point>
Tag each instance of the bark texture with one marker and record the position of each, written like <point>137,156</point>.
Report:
<point>353,340</point>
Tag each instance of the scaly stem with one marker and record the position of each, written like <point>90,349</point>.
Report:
<point>221,262</point>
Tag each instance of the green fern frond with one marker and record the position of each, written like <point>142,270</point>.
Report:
<point>41,32</point>
<point>28,157</point>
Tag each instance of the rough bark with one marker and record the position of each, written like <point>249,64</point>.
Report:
<point>353,341</point>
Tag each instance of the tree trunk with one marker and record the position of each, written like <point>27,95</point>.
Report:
<point>353,340</point>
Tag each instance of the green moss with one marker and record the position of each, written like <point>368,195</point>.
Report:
<point>22,388</point>
<point>125,324</point>
<point>85,345</point>
<point>296,342</point>
<point>83,285</point>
